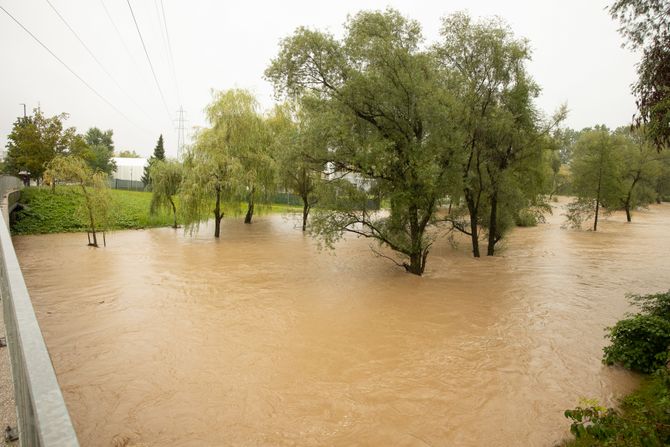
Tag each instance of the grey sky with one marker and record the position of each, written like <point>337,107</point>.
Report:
<point>577,58</point>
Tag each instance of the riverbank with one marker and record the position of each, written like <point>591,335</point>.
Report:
<point>45,212</point>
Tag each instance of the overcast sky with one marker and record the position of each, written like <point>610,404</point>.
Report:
<point>577,57</point>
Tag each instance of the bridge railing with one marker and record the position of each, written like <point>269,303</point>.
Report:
<point>43,418</point>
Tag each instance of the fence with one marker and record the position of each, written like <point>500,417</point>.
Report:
<point>131,185</point>
<point>43,418</point>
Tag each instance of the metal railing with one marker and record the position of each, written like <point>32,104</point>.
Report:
<point>43,418</point>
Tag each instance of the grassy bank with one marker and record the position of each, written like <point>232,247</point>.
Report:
<point>46,212</point>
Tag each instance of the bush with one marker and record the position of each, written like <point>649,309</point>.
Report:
<point>644,419</point>
<point>640,342</point>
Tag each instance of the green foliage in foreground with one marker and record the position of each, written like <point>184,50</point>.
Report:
<point>639,342</point>
<point>57,213</point>
<point>643,420</point>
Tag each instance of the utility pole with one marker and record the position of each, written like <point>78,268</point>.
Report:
<point>24,110</point>
<point>181,139</point>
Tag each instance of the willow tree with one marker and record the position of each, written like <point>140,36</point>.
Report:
<point>386,122</point>
<point>298,149</point>
<point>210,177</point>
<point>241,134</point>
<point>92,186</point>
<point>166,179</point>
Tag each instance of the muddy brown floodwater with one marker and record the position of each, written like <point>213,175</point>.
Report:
<point>260,339</point>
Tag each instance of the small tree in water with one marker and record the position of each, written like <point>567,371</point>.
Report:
<point>210,175</point>
<point>166,178</point>
<point>596,168</point>
<point>92,187</point>
<point>297,149</point>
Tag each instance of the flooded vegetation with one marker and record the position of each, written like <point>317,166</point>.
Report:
<point>260,339</point>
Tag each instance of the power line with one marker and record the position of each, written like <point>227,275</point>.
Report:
<point>137,27</point>
<point>118,33</point>
<point>97,61</point>
<point>69,69</point>
<point>171,57</point>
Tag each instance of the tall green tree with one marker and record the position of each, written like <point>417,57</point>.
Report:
<point>101,145</point>
<point>34,141</point>
<point>166,179</point>
<point>92,186</point>
<point>158,154</point>
<point>646,26</point>
<point>387,124</point>
<point>485,64</point>
<point>640,169</point>
<point>297,150</point>
<point>596,169</point>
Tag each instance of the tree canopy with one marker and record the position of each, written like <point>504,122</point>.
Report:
<point>387,124</point>
<point>646,25</point>
<point>35,140</point>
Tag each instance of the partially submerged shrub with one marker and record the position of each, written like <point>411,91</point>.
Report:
<point>640,342</point>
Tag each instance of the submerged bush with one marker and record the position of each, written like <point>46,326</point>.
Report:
<point>640,342</point>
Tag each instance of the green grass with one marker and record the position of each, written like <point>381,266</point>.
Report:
<point>46,212</point>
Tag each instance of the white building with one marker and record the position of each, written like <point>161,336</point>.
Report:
<point>128,173</point>
<point>131,169</point>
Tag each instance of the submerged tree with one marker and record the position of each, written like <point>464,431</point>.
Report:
<point>640,169</point>
<point>386,121</point>
<point>596,169</point>
<point>166,178</point>
<point>242,136</point>
<point>210,176</point>
<point>92,186</point>
<point>485,64</point>
<point>297,149</point>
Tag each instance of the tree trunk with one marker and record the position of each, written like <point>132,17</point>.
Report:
<point>174,212</point>
<point>474,234</point>
<point>305,212</point>
<point>250,207</point>
<point>417,262</point>
<point>91,218</point>
<point>418,254</point>
<point>600,183</point>
<point>628,216</point>
<point>493,225</point>
<point>217,214</point>
<point>250,212</point>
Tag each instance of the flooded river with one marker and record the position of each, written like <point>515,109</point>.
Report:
<point>261,339</point>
